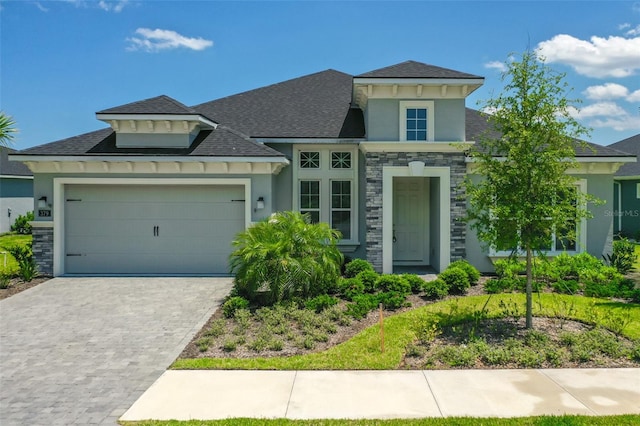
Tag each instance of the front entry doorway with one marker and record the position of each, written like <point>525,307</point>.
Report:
<point>411,221</point>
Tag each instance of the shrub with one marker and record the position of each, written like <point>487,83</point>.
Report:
<point>369,280</point>
<point>393,283</point>
<point>350,287</point>
<point>285,256</point>
<point>24,256</point>
<point>356,266</point>
<point>500,285</point>
<point>508,267</point>
<point>623,256</point>
<point>392,300</point>
<point>321,302</point>
<point>435,289</point>
<point>362,305</point>
<point>469,269</point>
<point>21,225</point>
<point>414,281</point>
<point>456,279</point>
<point>5,280</point>
<point>566,286</point>
<point>232,304</point>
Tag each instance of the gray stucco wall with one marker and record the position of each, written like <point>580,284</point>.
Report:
<point>599,227</point>
<point>283,182</point>
<point>382,119</point>
<point>16,198</point>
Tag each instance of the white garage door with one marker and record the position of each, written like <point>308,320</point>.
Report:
<point>152,229</point>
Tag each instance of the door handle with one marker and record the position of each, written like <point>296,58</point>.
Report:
<point>156,231</point>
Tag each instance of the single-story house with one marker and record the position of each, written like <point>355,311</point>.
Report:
<point>16,190</point>
<point>626,191</point>
<point>379,156</point>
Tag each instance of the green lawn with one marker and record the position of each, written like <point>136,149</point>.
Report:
<point>10,240</point>
<point>363,350</point>
<point>637,264</point>
<point>457,421</point>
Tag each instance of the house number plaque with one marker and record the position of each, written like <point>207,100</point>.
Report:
<point>44,213</point>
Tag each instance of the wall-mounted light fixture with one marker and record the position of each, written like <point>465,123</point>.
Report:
<point>42,203</point>
<point>416,168</point>
<point>259,204</point>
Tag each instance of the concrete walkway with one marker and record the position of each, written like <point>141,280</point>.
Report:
<point>204,395</point>
<point>80,351</point>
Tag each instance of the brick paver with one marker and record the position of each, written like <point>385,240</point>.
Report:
<point>80,351</point>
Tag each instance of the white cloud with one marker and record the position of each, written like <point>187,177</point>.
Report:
<point>634,96</point>
<point>500,66</point>
<point>156,40</point>
<point>41,7</point>
<point>115,6</point>
<point>633,31</point>
<point>598,57</point>
<point>624,26</point>
<point>606,91</point>
<point>599,109</point>
<point>623,123</point>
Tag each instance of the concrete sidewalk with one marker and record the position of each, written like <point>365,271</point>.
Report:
<point>217,394</point>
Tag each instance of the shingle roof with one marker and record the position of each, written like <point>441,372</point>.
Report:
<point>162,104</point>
<point>221,142</point>
<point>314,106</point>
<point>632,146</point>
<point>12,168</point>
<point>478,125</point>
<point>413,69</point>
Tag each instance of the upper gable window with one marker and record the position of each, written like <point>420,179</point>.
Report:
<point>309,160</point>
<point>340,160</point>
<point>416,121</point>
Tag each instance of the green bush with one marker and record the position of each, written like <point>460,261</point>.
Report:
<point>392,300</point>
<point>21,225</point>
<point>509,267</point>
<point>469,269</point>
<point>393,283</point>
<point>285,256</point>
<point>457,280</point>
<point>5,280</point>
<point>435,289</point>
<point>321,302</point>
<point>356,266</point>
<point>369,280</point>
<point>414,281</point>
<point>350,287</point>
<point>501,285</point>
<point>232,304</point>
<point>23,254</point>
<point>623,256</point>
<point>362,305</point>
<point>566,286</point>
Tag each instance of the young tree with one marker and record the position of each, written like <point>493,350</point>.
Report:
<point>7,129</point>
<point>524,194</point>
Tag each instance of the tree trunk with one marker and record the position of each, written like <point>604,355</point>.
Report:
<point>529,290</point>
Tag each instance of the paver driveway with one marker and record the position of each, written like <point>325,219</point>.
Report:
<point>80,351</point>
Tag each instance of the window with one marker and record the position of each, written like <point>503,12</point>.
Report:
<point>310,199</point>
<point>326,186</point>
<point>341,207</point>
<point>309,160</point>
<point>416,120</point>
<point>638,191</point>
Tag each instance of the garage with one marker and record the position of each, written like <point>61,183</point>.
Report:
<point>151,229</point>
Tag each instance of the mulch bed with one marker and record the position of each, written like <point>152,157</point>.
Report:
<point>16,285</point>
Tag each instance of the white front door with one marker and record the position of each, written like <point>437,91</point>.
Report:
<point>411,221</point>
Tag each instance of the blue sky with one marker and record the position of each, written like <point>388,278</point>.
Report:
<point>61,61</point>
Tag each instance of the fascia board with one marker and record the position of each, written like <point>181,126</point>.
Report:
<point>158,117</point>
<point>415,81</point>
<point>147,158</point>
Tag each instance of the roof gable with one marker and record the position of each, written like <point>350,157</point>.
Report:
<point>12,168</point>
<point>413,69</point>
<point>162,104</point>
<point>632,146</point>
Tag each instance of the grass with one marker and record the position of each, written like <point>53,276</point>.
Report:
<point>362,352</point>
<point>10,240</point>
<point>637,264</point>
<point>566,420</point>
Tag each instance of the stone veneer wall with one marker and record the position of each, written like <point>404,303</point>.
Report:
<point>43,249</point>
<point>374,164</point>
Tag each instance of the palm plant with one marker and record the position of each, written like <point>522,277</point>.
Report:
<point>284,256</point>
<point>7,129</point>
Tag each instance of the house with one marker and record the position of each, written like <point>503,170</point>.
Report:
<point>16,190</point>
<point>626,191</point>
<point>379,156</point>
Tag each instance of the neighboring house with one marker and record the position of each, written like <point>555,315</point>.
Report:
<point>626,191</point>
<point>379,156</point>
<point>16,190</point>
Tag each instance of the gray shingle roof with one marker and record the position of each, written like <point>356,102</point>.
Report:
<point>413,69</point>
<point>12,168</point>
<point>314,106</point>
<point>632,146</point>
<point>221,142</point>
<point>162,104</point>
<point>479,125</point>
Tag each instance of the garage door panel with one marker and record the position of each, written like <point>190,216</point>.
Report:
<point>151,230</point>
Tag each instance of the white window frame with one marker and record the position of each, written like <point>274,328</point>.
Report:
<point>325,174</point>
<point>581,237</point>
<point>429,106</point>
<point>638,191</point>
